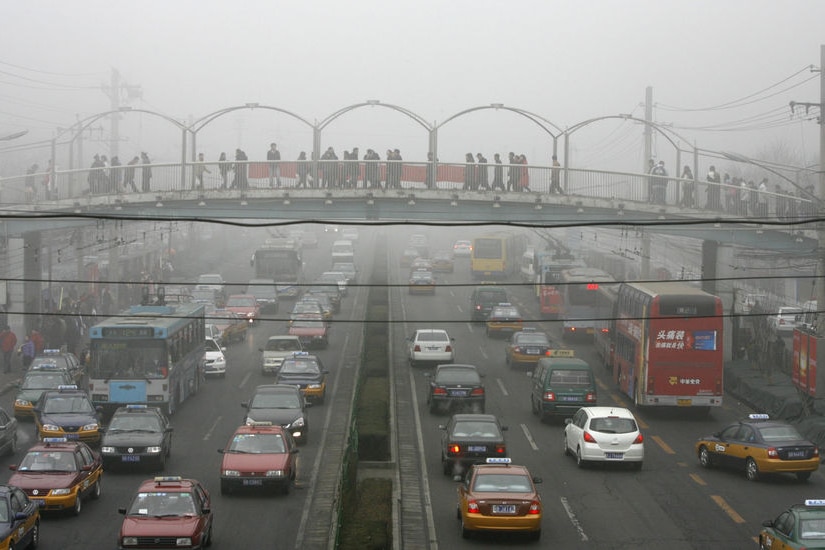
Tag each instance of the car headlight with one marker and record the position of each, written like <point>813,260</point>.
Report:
<point>183,541</point>
<point>129,541</point>
<point>107,450</point>
<point>50,428</point>
<point>153,450</point>
<point>22,403</point>
<point>60,492</point>
<point>230,473</point>
<point>91,427</point>
<point>274,473</point>
<point>299,423</point>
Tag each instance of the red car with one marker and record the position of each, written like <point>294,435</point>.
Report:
<point>259,456</point>
<point>312,330</point>
<point>167,512</point>
<point>245,305</point>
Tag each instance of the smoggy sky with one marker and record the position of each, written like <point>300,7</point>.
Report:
<point>732,66</point>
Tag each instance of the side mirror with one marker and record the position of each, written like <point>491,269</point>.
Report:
<point>767,523</point>
<point>121,511</point>
<point>170,429</point>
<point>13,467</point>
<point>245,405</point>
<point>221,451</point>
<point>206,510</point>
<point>505,428</point>
<point>295,451</point>
<point>537,480</point>
<point>568,420</point>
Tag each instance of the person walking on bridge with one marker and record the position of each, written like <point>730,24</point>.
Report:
<point>714,190</point>
<point>274,156</point>
<point>688,188</point>
<point>223,168</point>
<point>555,177</point>
<point>498,173</point>
<point>659,182</point>
<point>146,180</point>
<point>129,174</point>
<point>200,170</point>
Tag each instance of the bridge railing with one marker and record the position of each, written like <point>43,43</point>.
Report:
<point>395,175</point>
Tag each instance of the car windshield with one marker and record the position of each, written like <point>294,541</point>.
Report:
<point>134,423</point>
<point>67,404</point>
<point>457,376</point>
<point>300,367</point>
<point>48,461</point>
<point>478,430</point>
<point>432,337</point>
<point>241,301</point>
<point>257,443</point>
<point>613,425</point>
<point>163,504</point>
<point>812,529</point>
<point>210,280</point>
<point>780,433</point>
<point>43,380</point>
<point>502,483</point>
<point>285,344</point>
<point>4,512</point>
<point>211,345</point>
<point>275,401</point>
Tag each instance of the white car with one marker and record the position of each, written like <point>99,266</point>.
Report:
<point>214,361</point>
<point>604,434</point>
<point>463,248</point>
<point>432,346</point>
<point>785,319</point>
<point>277,349</point>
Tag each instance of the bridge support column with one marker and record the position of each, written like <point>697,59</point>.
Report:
<point>32,274</point>
<point>717,263</point>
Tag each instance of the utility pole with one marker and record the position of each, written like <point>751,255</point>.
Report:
<point>114,91</point>
<point>648,128</point>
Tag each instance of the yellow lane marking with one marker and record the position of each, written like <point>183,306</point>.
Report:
<point>727,509</point>
<point>697,479</point>
<point>665,447</point>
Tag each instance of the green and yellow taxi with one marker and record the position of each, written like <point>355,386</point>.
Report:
<point>19,519</point>
<point>499,496</point>
<point>504,319</point>
<point>308,373</point>
<point>57,474</point>
<point>526,347</point>
<point>759,446</point>
<point>35,382</point>
<point>802,526</point>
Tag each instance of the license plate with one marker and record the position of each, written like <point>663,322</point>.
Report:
<point>504,508</point>
<point>684,402</point>
<point>796,454</point>
<point>253,482</point>
<point>130,458</point>
<point>532,352</point>
<point>569,398</point>
<point>477,448</point>
<point>71,436</point>
<point>614,456</point>
<point>433,348</point>
<point>39,502</point>
<point>458,393</point>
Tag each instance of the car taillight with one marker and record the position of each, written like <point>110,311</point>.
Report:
<point>417,348</point>
<point>477,391</point>
<point>439,391</point>
<point>449,348</point>
<point>549,396</point>
<point>816,451</point>
<point>501,450</point>
<point>472,507</point>
<point>454,449</point>
<point>639,439</point>
<point>772,452</point>
<point>535,508</point>
<point>588,438</point>
<point>516,349</point>
<point>590,398</point>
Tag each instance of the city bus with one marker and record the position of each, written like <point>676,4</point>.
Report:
<point>578,290</point>
<point>279,259</point>
<point>149,355</point>
<point>548,273</point>
<point>498,254</point>
<point>668,345</point>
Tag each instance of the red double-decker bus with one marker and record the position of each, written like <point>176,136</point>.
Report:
<point>549,272</point>
<point>668,345</point>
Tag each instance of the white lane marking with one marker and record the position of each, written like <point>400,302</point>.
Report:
<point>212,428</point>
<point>573,519</point>
<point>529,437</point>
<point>501,386</point>
<point>470,327</point>
<point>245,380</point>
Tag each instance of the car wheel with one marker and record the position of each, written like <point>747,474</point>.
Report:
<point>751,470</point>
<point>705,460</point>
<point>534,535</point>
<point>566,448</point>
<point>285,487</point>
<point>225,489</point>
<point>465,533</point>
<point>97,489</point>
<point>533,406</point>
<point>78,505</point>
<point>13,445</point>
<point>35,542</point>
<point>803,476</point>
<point>432,408</point>
<point>637,465</point>
<point>446,466</point>
<point>207,539</point>
<point>580,462</point>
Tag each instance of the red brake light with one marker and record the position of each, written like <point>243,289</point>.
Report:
<point>417,348</point>
<point>535,508</point>
<point>639,439</point>
<point>501,450</point>
<point>472,507</point>
<point>439,391</point>
<point>588,438</point>
<point>477,391</point>
<point>454,449</point>
<point>772,452</point>
<point>591,397</point>
<point>448,348</point>
<point>548,396</point>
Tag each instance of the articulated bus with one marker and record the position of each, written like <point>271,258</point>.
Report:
<point>497,255</point>
<point>149,355</point>
<point>668,345</point>
<point>579,292</point>
<point>550,268</point>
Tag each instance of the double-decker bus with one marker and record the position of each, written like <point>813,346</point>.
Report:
<point>579,288</point>
<point>668,345</point>
<point>549,270</point>
<point>604,325</point>
<point>279,259</point>
<point>149,355</point>
<point>498,254</point>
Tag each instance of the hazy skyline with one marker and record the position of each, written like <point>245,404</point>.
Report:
<point>566,61</point>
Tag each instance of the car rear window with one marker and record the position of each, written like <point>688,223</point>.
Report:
<point>432,337</point>
<point>502,483</point>
<point>457,376</point>
<point>570,378</point>
<point>489,296</point>
<point>480,430</point>
<point>613,425</point>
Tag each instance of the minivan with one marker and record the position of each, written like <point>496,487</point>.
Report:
<point>484,299</point>
<point>561,384</point>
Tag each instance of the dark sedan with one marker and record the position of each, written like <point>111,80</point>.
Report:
<point>455,387</point>
<point>470,439</point>
<point>282,405</point>
<point>137,435</point>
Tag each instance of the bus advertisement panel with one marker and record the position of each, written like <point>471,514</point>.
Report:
<point>668,345</point>
<point>579,299</point>
<point>149,355</point>
<point>497,255</point>
<point>279,259</point>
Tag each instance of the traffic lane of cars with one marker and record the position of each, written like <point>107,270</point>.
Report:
<point>657,482</point>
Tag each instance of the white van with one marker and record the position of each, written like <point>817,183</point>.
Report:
<point>342,251</point>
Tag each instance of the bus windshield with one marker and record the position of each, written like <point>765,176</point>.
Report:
<point>128,359</point>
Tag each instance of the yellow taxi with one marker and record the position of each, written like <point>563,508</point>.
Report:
<point>526,347</point>
<point>67,412</point>
<point>422,282</point>
<point>499,496</point>
<point>800,526</point>
<point>307,372</point>
<point>758,446</point>
<point>57,474</point>
<point>504,319</point>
